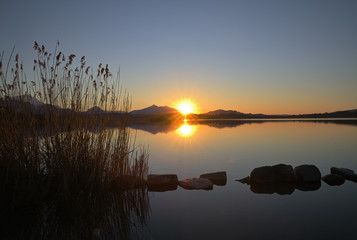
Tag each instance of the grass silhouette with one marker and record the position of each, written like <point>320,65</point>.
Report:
<point>54,156</point>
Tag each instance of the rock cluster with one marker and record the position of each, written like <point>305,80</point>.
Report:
<point>168,182</point>
<point>283,179</point>
<point>339,175</point>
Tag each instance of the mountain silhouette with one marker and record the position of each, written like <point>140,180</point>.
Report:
<point>95,110</point>
<point>28,99</point>
<point>154,110</point>
<point>29,103</point>
<point>221,111</point>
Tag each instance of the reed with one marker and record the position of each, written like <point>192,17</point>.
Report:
<point>51,149</point>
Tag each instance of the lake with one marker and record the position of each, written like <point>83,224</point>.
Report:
<point>233,211</point>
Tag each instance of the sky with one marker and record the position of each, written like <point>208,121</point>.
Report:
<point>268,56</point>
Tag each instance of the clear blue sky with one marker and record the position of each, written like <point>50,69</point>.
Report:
<point>252,56</point>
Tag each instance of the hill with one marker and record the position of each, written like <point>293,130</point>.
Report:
<point>154,110</point>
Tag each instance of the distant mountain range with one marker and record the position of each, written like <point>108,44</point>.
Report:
<point>233,114</point>
<point>166,113</point>
<point>154,110</point>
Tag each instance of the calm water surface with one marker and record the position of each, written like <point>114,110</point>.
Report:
<point>233,211</point>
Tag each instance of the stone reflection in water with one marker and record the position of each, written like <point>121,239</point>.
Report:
<point>111,216</point>
<point>284,188</point>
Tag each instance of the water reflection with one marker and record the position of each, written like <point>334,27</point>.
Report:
<point>117,215</point>
<point>186,130</point>
<point>283,188</point>
<point>190,124</point>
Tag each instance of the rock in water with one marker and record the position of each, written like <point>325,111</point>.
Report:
<point>263,175</point>
<point>161,183</point>
<point>345,172</point>
<point>307,173</point>
<point>280,173</point>
<point>341,171</point>
<point>351,177</point>
<point>217,178</point>
<point>284,173</point>
<point>196,183</point>
<point>333,179</point>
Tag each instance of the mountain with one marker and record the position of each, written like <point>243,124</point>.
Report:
<point>29,99</point>
<point>232,114</point>
<point>228,114</point>
<point>95,110</point>
<point>338,114</point>
<point>152,110</point>
<point>221,111</point>
<point>163,113</point>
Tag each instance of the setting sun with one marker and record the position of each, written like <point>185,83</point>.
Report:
<point>186,106</point>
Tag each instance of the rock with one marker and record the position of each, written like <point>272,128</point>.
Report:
<point>351,177</point>
<point>244,180</point>
<point>217,178</point>
<point>262,175</point>
<point>127,182</point>
<point>333,179</point>
<point>280,173</point>
<point>279,188</point>
<point>307,173</point>
<point>284,173</point>
<point>341,171</point>
<point>196,183</point>
<point>345,172</point>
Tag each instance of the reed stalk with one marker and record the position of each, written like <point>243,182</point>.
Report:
<point>52,149</point>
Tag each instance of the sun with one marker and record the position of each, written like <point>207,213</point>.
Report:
<point>186,106</point>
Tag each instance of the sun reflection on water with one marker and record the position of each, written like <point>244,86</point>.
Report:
<point>186,130</point>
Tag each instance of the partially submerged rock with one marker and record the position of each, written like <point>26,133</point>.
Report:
<point>262,175</point>
<point>333,179</point>
<point>283,179</point>
<point>163,182</point>
<point>217,178</point>
<point>284,173</point>
<point>345,172</point>
<point>307,173</point>
<point>196,183</point>
<point>280,173</point>
<point>341,171</point>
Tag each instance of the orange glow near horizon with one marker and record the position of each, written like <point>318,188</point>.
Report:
<point>186,106</point>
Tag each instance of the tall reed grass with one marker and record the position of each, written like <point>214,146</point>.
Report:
<point>52,150</point>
